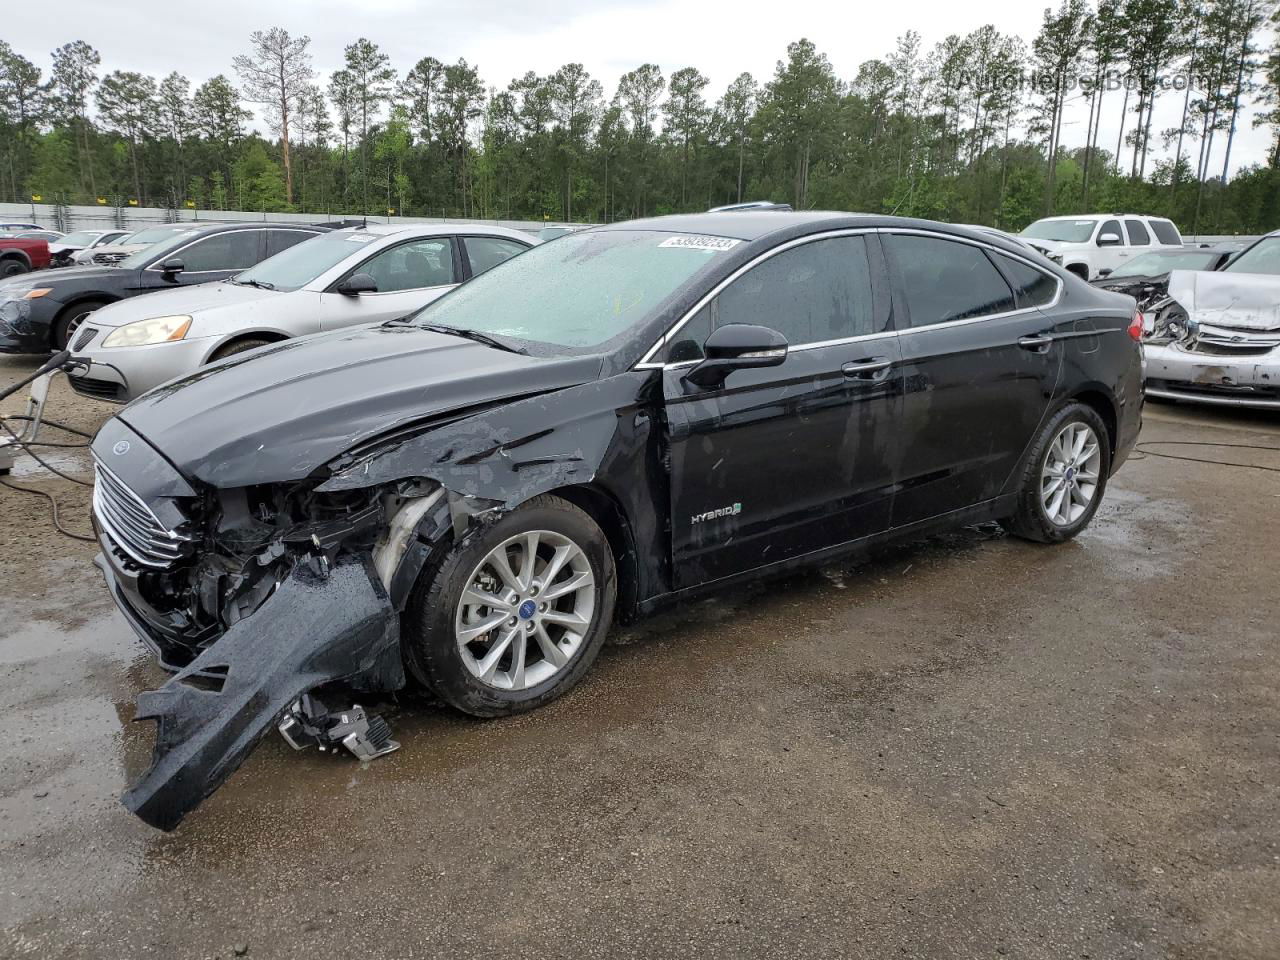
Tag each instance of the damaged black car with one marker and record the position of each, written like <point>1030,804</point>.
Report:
<point>468,498</point>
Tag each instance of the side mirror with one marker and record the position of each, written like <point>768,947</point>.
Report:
<point>737,346</point>
<point>1104,272</point>
<point>1109,240</point>
<point>173,267</point>
<point>357,284</point>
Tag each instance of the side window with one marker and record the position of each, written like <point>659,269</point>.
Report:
<point>945,280</point>
<point>1031,287</point>
<point>1138,236</point>
<point>1111,226</point>
<point>485,253</point>
<point>410,266</point>
<point>1166,232</point>
<point>278,240</point>
<point>233,250</point>
<point>812,293</point>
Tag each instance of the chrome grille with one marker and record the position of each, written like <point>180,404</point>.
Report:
<point>130,524</point>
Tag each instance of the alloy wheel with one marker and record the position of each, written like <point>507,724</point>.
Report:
<point>1069,478</point>
<point>525,610</point>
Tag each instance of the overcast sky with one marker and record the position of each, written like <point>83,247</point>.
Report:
<point>720,37</point>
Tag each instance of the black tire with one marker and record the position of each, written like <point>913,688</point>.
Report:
<point>69,321</point>
<point>11,267</point>
<point>1031,521</point>
<point>239,346</point>
<point>428,626</point>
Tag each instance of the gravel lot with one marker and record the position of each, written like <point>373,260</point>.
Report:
<point>969,747</point>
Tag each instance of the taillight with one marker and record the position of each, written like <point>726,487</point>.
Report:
<point>1136,325</point>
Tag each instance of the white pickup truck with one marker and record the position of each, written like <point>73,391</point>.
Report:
<point>1095,244</point>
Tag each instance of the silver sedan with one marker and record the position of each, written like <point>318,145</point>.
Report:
<point>347,277</point>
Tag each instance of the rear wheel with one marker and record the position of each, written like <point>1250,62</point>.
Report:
<point>514,614</point>
<point>12,267</point>
<point>1065,477</point>
<point>69,322</point>
<point>240,346</point>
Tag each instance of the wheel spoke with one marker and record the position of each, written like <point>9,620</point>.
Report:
<point>1079,440</point>
<point>489,665</point>
<point>502,567</point>
<point>474,596</point>
<point>1055,505</point>
<point>572,585</point>
<point>556,564</point>
<point>549,649</point>
<point>518,648</point>
<point>568,619</point>
<point>529,560</point>
<point>472,630</point>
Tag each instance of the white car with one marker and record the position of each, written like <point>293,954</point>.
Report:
<point>109,254</point>
<point>66,247</point>
<point>340,279</point>
<point>1088,244</point>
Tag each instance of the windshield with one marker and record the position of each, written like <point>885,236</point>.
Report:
<point>1066,231</point>
<point>297,266</point>
<point>1262,257</point>
<point>158,240</point>
<point>1154,264</point>
<point>580,291</point>
<point>81,239</point>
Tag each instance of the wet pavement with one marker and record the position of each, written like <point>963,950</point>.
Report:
<point>968,747</point>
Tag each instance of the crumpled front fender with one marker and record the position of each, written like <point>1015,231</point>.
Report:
<point>316,628</point>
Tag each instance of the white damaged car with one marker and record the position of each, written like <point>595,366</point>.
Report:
<point>1216,339</point>
<point>343,278</point>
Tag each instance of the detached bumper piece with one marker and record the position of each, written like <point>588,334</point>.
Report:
<point>320,626</point>
<point>310,723</point>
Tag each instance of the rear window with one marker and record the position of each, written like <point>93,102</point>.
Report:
<point>944,280</point>
<point>1138,236</point>
<point>1031,287</point>
<point>1165,231</point>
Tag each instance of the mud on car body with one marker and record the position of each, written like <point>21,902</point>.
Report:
<point>619,420</point>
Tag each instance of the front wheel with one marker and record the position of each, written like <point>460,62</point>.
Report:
<point>515,613</point>
<point>11,268</point>
<point>1064,478</point>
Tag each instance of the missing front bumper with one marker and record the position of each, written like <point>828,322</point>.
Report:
<point>319,627</point>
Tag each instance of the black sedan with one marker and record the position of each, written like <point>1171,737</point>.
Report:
<point>602,426</point>
<point>40,312</point>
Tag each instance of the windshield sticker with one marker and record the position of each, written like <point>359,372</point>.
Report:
<point>701,243</point>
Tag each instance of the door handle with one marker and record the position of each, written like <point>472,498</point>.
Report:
<point>1038,343</point>
<point>866,369</point>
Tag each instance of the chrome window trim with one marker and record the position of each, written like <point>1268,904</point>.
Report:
<point>646,363</point>
<point>1057,296</point>
<point>156,268</point>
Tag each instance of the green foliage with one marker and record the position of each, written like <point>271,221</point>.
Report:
<point>946,133</point>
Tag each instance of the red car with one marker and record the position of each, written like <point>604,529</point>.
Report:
<point>18,255</point>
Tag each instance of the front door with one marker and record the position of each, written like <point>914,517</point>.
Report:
<point>782,461</point>
<point>208,259</point>
<point>979,369</point>
<point>409,276</point>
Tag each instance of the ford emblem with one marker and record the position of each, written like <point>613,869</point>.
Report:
<point>121,448</point>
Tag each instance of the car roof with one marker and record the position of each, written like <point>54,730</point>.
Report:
<point>439,226</point>
<point>755,226</point>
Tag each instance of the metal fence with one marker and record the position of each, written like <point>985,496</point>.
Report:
<point>105,217</point>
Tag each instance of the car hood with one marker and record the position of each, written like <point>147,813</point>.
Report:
<point>279,413</point>
<point>1053,246</point>
<point>182,300</point>
<point>62,275</point>
<point>1243,301</point>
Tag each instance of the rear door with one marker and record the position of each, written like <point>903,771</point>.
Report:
<point>786,460</point>
<point>485,253</point>
<point>979,367</point>
<point>409,275</point>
